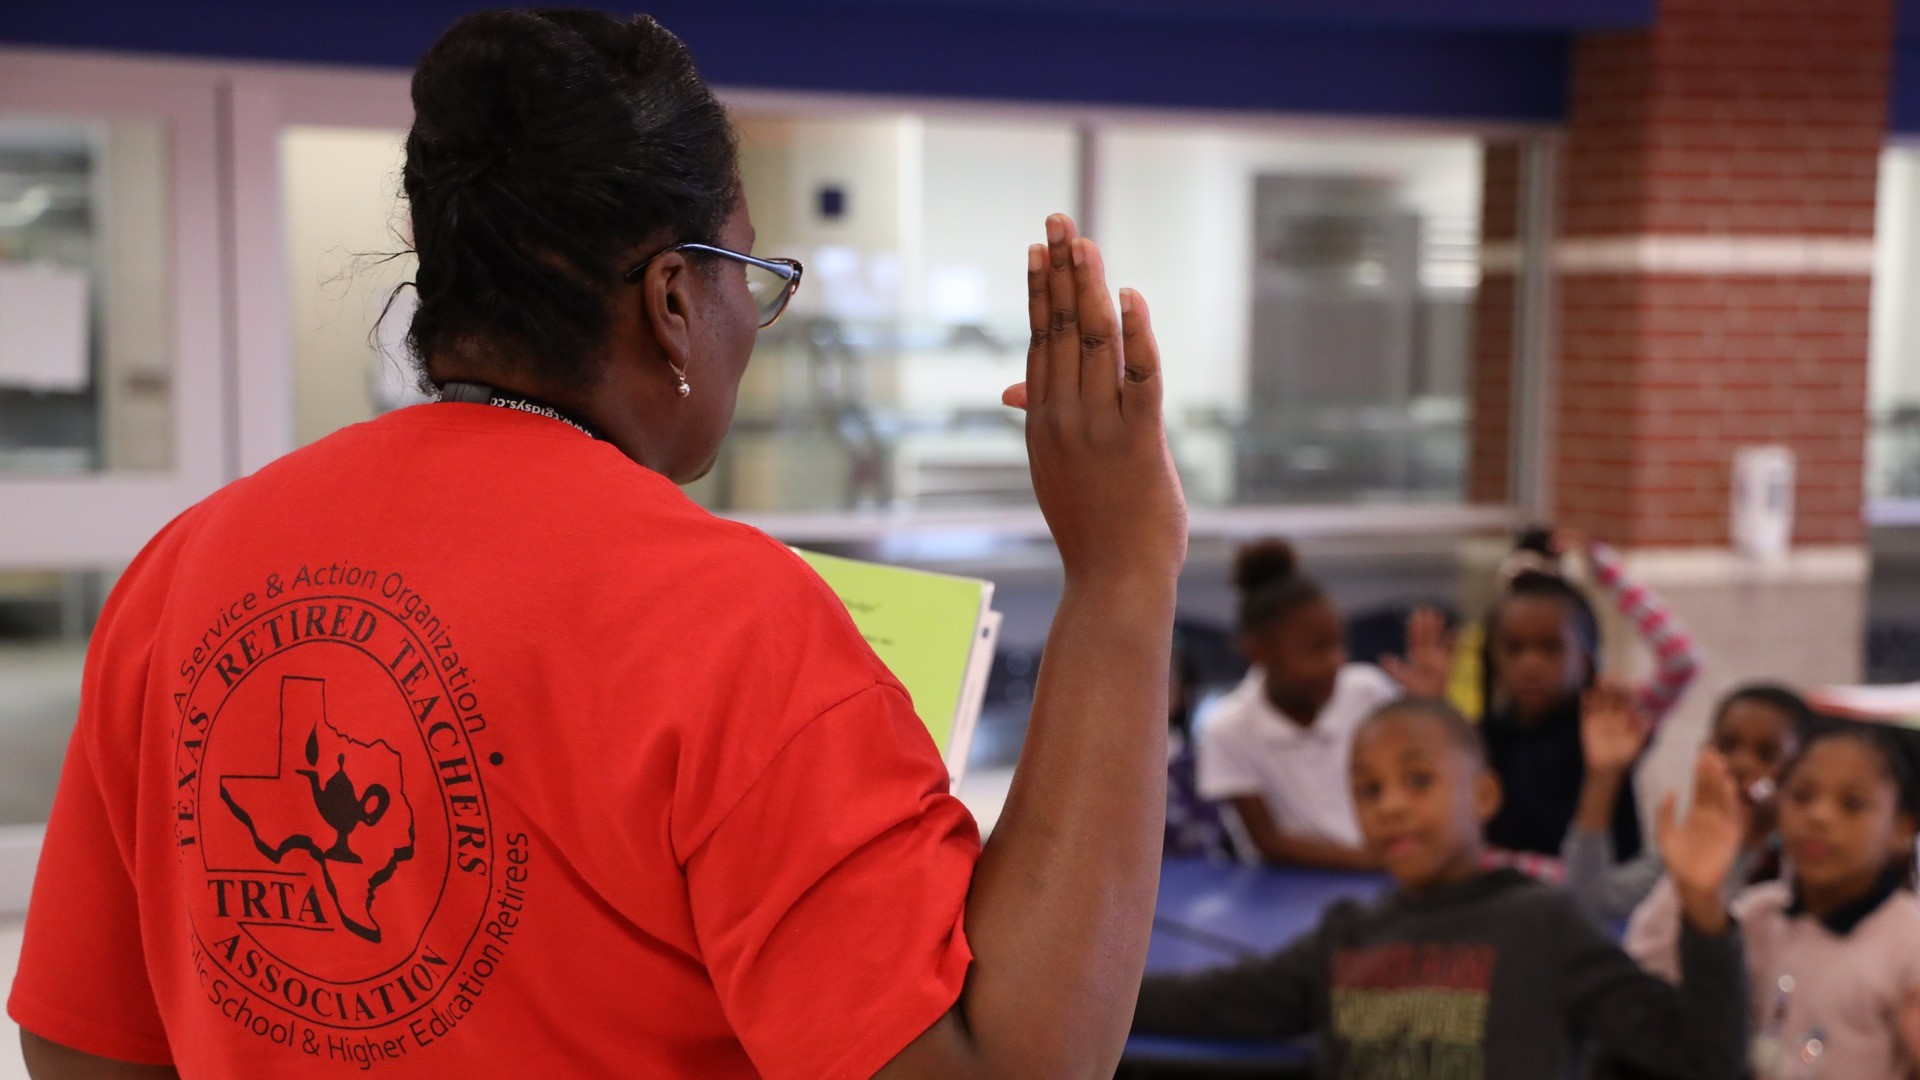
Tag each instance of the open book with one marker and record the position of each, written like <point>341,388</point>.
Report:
<point>935,632</point>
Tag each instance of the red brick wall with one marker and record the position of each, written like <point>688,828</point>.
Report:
<point>1491,374</point>
<point>1729,118</point>
<point>1662,377</point>
<point>1742,116</point>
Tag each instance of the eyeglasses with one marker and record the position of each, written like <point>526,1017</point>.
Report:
<point>771,282</point>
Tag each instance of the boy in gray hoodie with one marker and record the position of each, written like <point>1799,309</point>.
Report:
<point>1466,974</point>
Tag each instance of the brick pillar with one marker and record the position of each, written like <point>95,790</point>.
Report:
<point>1490,376</point>
<point>1713,269</point>
<point>1715,260</point>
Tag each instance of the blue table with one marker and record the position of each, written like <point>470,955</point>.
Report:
<point>1254,908</point>
<point>1212,914</point>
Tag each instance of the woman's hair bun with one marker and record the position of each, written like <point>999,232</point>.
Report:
<point>549,150</point>
<point>1264,562</point>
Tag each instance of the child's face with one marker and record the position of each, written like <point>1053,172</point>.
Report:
<point>1302,654</point>
<point>1537,656</point>
<point>1422,800</point>
<point>1840,820</point>
<point>1756,739</point>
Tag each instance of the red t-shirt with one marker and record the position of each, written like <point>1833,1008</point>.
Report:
<point>457,744</point>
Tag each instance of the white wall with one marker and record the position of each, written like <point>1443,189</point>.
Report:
<point>989,187</point>
<point>136,314</point>
<point>1894,372</point>
<point>343,216</point>
<point>987,190</point>
<point>874,160</point>
<point>1175,218</point>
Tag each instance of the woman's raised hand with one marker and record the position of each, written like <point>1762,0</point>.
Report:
<point>1096,439</point>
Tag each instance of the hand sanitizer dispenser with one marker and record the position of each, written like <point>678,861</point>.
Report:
<point>1762,522</point>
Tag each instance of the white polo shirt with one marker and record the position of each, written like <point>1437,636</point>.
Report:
<point>1248,747</point>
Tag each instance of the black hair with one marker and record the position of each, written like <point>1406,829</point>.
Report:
<point>547,147</point>
<point>1896,761</point>
<point>1267,574</point>
<point>1461,732</point>
<point>1547,585</point>
<point>1537,539</point>
<point>1800,717</point>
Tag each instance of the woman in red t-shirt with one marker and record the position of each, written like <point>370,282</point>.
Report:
<point>583,283</point>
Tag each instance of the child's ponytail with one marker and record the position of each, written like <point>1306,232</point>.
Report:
<point>1267,574</point>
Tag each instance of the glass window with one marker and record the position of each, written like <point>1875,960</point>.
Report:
<point>880,388</point>
<point>1314,296</point>
<point>1314,299</point>
<point>85,297</point>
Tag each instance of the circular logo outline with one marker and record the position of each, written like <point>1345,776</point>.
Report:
<point>186,765</point>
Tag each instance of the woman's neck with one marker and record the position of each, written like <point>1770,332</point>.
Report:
<point>603,406</point>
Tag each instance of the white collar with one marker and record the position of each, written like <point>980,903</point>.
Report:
<point>1271,720</point>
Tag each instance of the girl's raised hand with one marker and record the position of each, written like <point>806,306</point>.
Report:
<point>1612,731</point>
<point>1423,673</point>
<point>1699,850</point>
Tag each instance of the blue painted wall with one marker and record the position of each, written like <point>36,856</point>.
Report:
<point>1468,59</point>
<point>1475,59</point>
<point>1904,107</point>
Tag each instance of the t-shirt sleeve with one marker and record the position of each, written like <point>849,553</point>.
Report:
<point>82,980</point>
<point>1606,889</point>
<point>829,901</point>
<point>1222,767</point>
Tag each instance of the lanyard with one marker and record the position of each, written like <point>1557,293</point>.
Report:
<point>482,394</point>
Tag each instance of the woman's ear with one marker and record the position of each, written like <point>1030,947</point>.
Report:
<point>667,299</point>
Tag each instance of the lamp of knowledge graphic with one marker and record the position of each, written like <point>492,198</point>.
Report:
<point>336,801</point>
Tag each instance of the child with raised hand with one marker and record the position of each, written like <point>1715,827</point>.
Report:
<point>1462,971</point>
<point>1542,654</point>
<point>1276,749</point>
<point>1756,728</point>
<point>1833,949</point>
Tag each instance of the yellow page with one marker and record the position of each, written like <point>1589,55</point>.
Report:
<point>923,627</point>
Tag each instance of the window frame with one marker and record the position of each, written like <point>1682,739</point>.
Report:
<point>97,519</point>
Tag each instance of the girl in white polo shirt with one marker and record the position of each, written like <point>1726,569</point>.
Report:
<point>1276,749</point>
